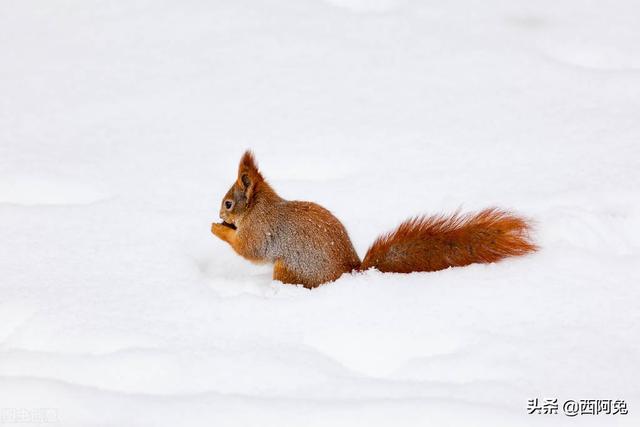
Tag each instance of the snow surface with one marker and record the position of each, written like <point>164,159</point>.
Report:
<point>121,124</point>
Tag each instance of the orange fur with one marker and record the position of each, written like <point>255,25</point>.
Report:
<point>437,242</point>
<point>309,246</point>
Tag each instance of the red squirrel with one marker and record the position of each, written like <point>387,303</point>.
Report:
<point>310,246</point>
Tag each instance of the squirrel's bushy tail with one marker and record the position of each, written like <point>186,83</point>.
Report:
<point>437,242</point>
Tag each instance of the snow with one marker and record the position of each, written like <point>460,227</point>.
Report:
<point>121,125</point>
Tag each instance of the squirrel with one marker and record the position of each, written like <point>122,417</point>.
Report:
<point>310,246</point>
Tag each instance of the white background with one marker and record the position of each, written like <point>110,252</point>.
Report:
<point>121,124</point>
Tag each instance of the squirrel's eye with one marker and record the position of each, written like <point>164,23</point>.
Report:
<point>228,204</point>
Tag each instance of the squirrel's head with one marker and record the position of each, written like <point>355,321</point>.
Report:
<point>242,193</point>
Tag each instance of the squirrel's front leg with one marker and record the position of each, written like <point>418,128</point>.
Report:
<point>247,248</point>
<point>223,232</point>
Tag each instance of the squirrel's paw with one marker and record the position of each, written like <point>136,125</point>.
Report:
<point>216,228</point>
<point>222,230</point>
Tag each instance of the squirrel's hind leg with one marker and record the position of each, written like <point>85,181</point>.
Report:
<point>286,275</point>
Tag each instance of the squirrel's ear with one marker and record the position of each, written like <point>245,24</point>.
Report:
<point>248,174</point>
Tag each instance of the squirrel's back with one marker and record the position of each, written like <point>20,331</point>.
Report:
<point>312,245</point>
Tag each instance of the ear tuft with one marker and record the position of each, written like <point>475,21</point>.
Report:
<point>248,162</point>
